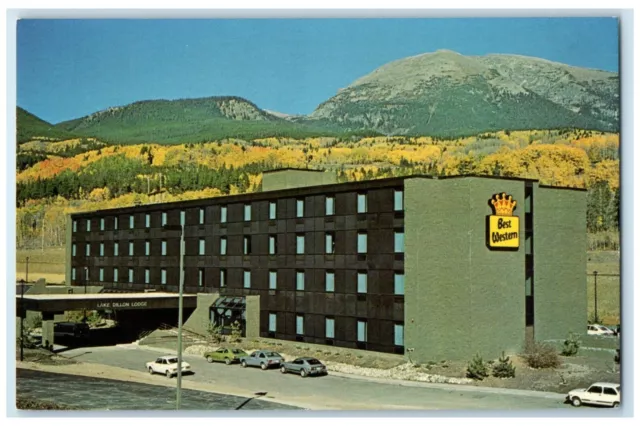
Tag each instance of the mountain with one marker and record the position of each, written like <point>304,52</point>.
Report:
<point>190,120</point>
<point>29,127</point>
<point>448,94</point>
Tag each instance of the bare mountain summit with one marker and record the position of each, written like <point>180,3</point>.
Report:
<point>445,93</point>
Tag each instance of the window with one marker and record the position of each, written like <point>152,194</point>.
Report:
<point>130,248</point>
<point>398,241</point>
<point>528,245</point>
<point>88,225</point>
<point>272,210</point>
<point>223,246</point>
<point>201,219</point>
<point>115,275</point>
<point>273,280</point>
<point>247,212</point>
<point>300,325</point>
<point>362,242</point>
<point>183,218</point>
<point>131,221</point>
<point>595,389</point>
<point>528,285</point>
<point>398,283</point>
<point>362,282</point>
<point>223,277</point>
<point>164,218</point>
<point>362,331</point>
<point>73,250</point>
<point>329,281</point>
<point>75,226</point>
<point>101,249</point>
<point>299,280</point>
<point>130,275</point>
<point>86,273</point>
<point>87,249</point>
<point>115,223</point>
<point>329,326</point>
<point>116,247</point>
<point>201,247</point>
<point>299,208</point>
<point>247,245</point>
<point>329,243</point>
<point>272,323</point>
<point>299,244</point>
<point>163,276</point>
<point>247,279</point>
<point>102,224</point>
<point>272,244</point>
<point>609,391</point>
<point>147,276</point>
<point>147,220</point>
<point>223,214</point>
<point>398,334</point>
<point>362,203</point>
<point>330,206</point>
<point>101,274</point>
<point>73,273</point>
<point>147,248</point>
<point>398,200</point>
<point>200,277</point>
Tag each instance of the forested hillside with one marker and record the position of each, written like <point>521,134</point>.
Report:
<point>107,176</point>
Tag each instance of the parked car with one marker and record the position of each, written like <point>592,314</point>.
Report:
<point>76,330</point>
<point>305,366</point>
<point>600,393</point>
<point>167,365</point>
<point>262,359</point>
<point>225,355</point>
<point>599,330</point>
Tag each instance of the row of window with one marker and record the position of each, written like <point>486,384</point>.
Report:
<point>398,205</point>
<point>329,327</point>
<point>398,279</point>
<point>330,244</point>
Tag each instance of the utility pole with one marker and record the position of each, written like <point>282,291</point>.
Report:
<point>27,273</point>
<point>43,214</point>
<point>595,294</point>
<point>22,314</point>
<point>179,378</point>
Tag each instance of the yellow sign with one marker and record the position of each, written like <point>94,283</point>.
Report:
<point>503,229</point>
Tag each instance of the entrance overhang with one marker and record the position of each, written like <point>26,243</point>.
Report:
<point>100,301</point>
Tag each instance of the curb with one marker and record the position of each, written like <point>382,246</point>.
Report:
<point>413,383</point>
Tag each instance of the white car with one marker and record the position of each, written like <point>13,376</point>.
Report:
<point>167,365</point>
<point>599,330</point>
<point>601,393</point>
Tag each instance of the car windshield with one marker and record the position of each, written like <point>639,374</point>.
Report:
<point>313,361</point>
<point>237,351</point>
<point>172,360</point>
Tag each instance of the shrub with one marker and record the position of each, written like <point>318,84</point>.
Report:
<point>236,332</point>
<point>214,333</point>
<point>477,370</point>
<point>571,345</point>
<point>504,367</point>
<point>541,355</point>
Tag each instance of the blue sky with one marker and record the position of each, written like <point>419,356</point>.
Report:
<point>70,68</point>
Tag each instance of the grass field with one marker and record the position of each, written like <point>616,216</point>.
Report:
<point>49,264</point>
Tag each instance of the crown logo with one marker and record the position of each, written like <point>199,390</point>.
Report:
<point>503,205</point>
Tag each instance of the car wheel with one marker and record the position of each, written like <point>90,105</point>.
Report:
<point>150,370</point>
<point>227,361</point>
<point>283,370</point>
<point>168,374</point>
<point>243,364</point>
<point>303,373</point>
<point>209,359</point>
<point>575,401</point>
<point>616,404</point>
<point>263,366</point>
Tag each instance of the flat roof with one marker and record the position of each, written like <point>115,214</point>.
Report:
<point>297,169</point>
<point>100,296</point>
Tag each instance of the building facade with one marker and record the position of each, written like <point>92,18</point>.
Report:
<point>384,265</point>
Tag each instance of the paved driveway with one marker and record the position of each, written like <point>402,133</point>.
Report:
<point>90,393</point>
<point>328,392</point>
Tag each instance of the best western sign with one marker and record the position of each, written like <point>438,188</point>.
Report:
<point>503,229</point>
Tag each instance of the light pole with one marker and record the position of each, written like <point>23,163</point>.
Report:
<point>86,278</point>
<point>27,274</point>
<point>595,296</point>
<point>180,291</point>
<point>22,314</point>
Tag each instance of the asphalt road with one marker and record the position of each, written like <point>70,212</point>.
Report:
<point>326,392</point>
<point>88,393</point>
